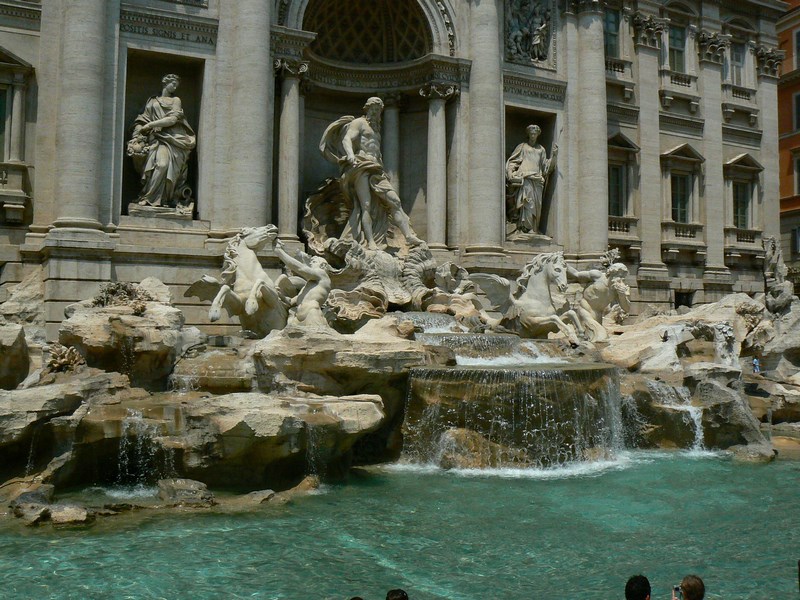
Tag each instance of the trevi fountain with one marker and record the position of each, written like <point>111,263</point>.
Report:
<point>386,419</point>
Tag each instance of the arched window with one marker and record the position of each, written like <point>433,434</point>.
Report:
<point>368,31</point>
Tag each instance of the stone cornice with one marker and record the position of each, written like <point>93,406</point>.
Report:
<point>534,87</point>
<point>680,124</point>
<point>623,113</point>
<point>161,24</point>
<point>290,43</point>
<point>26,15</point>
<point>409,76</point>
<point>584,6</point>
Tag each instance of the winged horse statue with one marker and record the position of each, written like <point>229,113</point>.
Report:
<point>244,289</point>
<point>527,306</point>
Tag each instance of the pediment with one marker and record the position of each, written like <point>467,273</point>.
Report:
<point>620,141</point>
<point>684,152</point>
<point>10,60</point>
<point>745,162</point>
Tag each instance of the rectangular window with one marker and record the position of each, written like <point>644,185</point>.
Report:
<point>797,175</point>
<point>741,204</point>
<point>737,63</point>
<point>677,48</point>
<point>611,32</point>
<point>681,196</point>
<point>616,191</point>
<point>797,49</point>
<point>796,100</point>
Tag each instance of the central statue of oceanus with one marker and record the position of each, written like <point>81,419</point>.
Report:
<point>361,204</point>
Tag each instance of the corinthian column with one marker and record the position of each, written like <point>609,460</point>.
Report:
<point>84,46</point>
<point>250,135</point>
<point>592,125</point>
<point>391,139</point>
<point>485,204</point>
<point>289,151</point>
<point>436,192</point>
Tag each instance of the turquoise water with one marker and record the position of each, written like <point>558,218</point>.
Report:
<point>573,533</point>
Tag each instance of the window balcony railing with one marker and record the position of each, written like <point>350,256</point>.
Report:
<point>683,86</point>
<point>623,227</point>
<point>682,233</point>
<point>743,238</point>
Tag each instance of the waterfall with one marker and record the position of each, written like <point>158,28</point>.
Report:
<point>679,399</point>
<point>494,349</point>
<point>522,417</point>
<point>141,457</point>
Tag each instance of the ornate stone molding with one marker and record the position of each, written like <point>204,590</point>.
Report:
<point>583,6</point>
<point>403,77</point>
<point>647,29</point>
<point>25,17</point>
<point>178,29</point>
<point>287,67</point>
<point>436,90</point>
<point>769,60</point>
<point>534,87</point>
<point>448,23</point>
<point>623,114</point>
<point>200,3</point>
<point>679,124</point>
<point>290,44</point>
<point>712,46</point>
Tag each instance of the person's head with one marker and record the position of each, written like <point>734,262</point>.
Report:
<point>637,588</point>
<point>693,588</point>
<point>533,132</point>
<point>171,80</point>
<point>617,270</point>
<point>396,595</point>
<point>373,106</point>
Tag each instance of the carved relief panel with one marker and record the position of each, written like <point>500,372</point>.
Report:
<point>530,32</point>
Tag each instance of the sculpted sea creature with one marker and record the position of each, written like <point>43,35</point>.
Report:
<point>244,289</point>
<point>527,305</point>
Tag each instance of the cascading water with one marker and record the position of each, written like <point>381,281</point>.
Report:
<point>494,349</point>
<point>142,459</point>
<point>519,417</point>
<point>679,399</point>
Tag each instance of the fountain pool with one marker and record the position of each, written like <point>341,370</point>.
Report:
<point>575,532</point>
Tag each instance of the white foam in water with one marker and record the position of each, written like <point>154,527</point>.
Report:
<point>515,359</point>
<point>129,492</point>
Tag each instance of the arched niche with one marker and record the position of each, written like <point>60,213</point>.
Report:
<point>439,15</point>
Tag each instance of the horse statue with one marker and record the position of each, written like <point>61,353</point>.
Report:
<point>244,289</point>
<point>527,306</point>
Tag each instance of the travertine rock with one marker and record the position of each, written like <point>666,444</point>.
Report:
<point>727,418</point>
<point>143,346</point>
<point>14,359</point>
<point>185,492</point>
<point>465,449</point>
<point>69,514</point>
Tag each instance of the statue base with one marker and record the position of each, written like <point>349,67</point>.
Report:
<point>183,213</point>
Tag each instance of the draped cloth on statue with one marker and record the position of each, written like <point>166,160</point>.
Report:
<point>379,184</point>
<point>526,171</point>
<point>162,183</point>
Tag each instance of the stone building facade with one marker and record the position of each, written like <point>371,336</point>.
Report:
<point>665,115</point>
<point>789,131</point>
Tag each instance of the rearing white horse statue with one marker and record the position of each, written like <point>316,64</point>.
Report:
<point>527,306</point>
<point>244,289</point>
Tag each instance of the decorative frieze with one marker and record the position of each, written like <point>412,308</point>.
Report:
<point>712,46</point>
<point>622,113</point>
<point>680,124</point>
<point>200,3</point>
<point>437,90</point>
<point>647,29</point>
<point>290,43</point>
<point>769,61</point>
<point>741,136</point>
<point>534,87</point>
<point>176,29</point>
<point>448,23</point>
<point>582,6</point>
<point>23,17</point>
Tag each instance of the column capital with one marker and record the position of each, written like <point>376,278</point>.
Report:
<point>712,46</point>
<point>584,6</point>
<point>289,67</point>
<point>647,29</point>
<point>769,60</point>
<point>439,91</point>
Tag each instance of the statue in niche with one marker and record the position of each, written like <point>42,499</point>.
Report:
<point>528,30</point>
<point>527,172</point>
<point>361,204</point>
<point>160,146</point>
<point>603,289</point>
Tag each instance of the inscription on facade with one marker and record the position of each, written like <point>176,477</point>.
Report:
<point>178,30</point>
